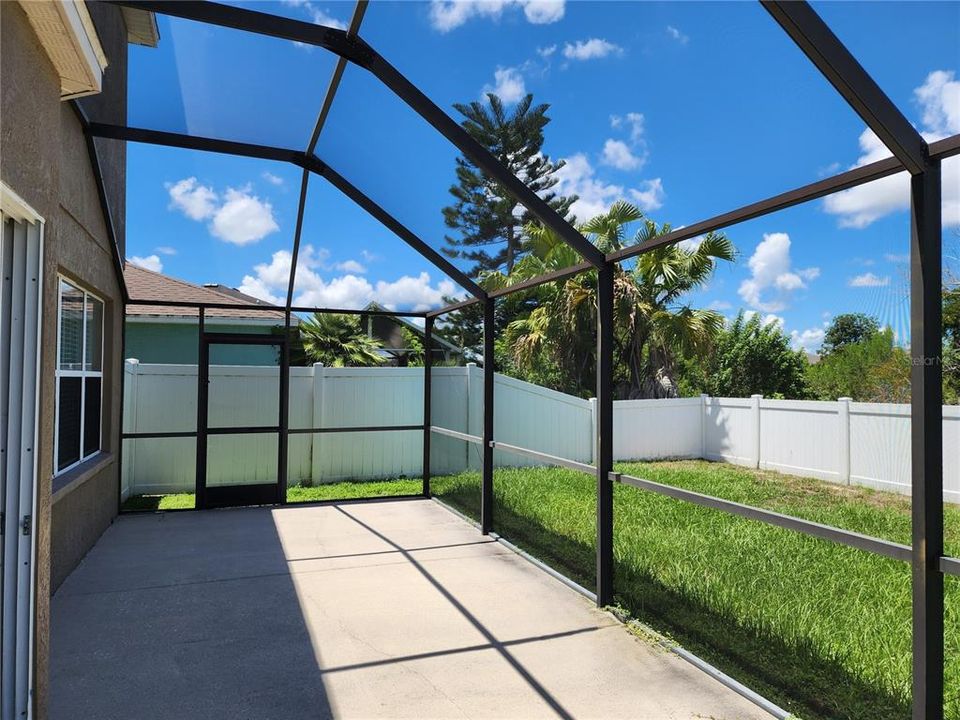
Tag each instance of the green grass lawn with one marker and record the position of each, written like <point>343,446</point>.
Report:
<point>822,629</point>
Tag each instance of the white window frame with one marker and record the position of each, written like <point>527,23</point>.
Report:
<point>82,374</point>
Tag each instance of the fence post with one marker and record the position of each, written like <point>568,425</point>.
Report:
<point>593,430</point>
<point>844,420</point>
<point>486,484</point>
<point>129,423</point>
<point>755,412</point>
<point>427,387</point>
<point>316,439</point>
<point>704,402</point>
<point>471,429</point>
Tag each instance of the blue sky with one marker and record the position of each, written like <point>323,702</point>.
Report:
<point>687,109</point>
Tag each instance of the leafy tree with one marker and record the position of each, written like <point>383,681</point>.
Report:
<point>751,357</point>
<point>414,343</point>
<point>338,340</point>
<point>847,329</point>
<point>652,325</point>
<point>488,219</point>
<point>872,370</point>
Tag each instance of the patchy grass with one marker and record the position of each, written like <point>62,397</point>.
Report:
<point>354,490</point>
<point>176,501</point>
<point>822,629</point>
<point>333,491</point>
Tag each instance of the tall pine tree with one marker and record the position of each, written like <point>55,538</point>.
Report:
<point>488,219</point>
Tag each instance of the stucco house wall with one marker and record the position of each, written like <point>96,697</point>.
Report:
<point>44,159</point>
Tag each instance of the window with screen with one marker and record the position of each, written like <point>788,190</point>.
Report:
<point>79,376</point>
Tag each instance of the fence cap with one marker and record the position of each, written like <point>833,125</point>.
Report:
<point>132,361</point>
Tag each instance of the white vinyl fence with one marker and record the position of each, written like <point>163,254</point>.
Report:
<point>843,441</point>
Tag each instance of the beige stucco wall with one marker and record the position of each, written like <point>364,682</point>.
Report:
<point>44,159</point>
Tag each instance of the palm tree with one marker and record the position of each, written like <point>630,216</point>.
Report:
<point>338,340</point>
<point>652,324</point>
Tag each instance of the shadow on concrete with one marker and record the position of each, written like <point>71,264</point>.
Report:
<point>188,615</point>
<point>492,640</point>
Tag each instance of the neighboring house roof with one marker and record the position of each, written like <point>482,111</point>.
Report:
<point>149,285</point>
<point>449,346</point>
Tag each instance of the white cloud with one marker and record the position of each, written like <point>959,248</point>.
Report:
<point>809,340</point>
<point>243,218</point>
<point>634,121</point>
<point>649,196</point>
<point>868,280</point>
<point>318,16</point>
<point>447,15</point>
<point>719,305</point>
<point>768,319</point>
<point>544,12</point>
<point>770,270</point>
<point>196,201</point>
<point>165,250</point>
<point>577,177</point>
<point>238,217</point>
<point>273,179</point>
<point>677,35</point>
<point>508,85</point>
<point>894,258</point>
<point>269,282</point>
<point>939,101</point>
<point>150,262</point>
<point>619,155</point>
<point>546,52</point>
<point>590,49</point>
<point>369,257</point>
<point>351,266</point>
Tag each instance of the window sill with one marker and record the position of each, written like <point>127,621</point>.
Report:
<point>69,481</point>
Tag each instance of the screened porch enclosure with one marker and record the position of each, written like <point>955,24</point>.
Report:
<point>205,446</point>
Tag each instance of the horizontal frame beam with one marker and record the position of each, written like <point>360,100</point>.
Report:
<point>359,428</point>
<point>549,277</point>
<point>236,18</point>
<point>453,307</point>
<point>855,85</point>
<point>550,459</point>
<point>798,196</point>
<point>244,430</point>
<point>852,539</point>
<point>144,302</point>
<point>455,434</point>
<point>195,142</point>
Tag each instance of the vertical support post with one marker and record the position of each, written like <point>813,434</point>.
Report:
<point>283,441</point>
<point>203,366</point>
<point>926,441</point>
<point>427,386</point>
<point>843,419</point>
<point>755,417</point>
<point>486,486</point>
<point>603,456</point>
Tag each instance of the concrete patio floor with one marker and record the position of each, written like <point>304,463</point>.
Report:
<point>391,609</point>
